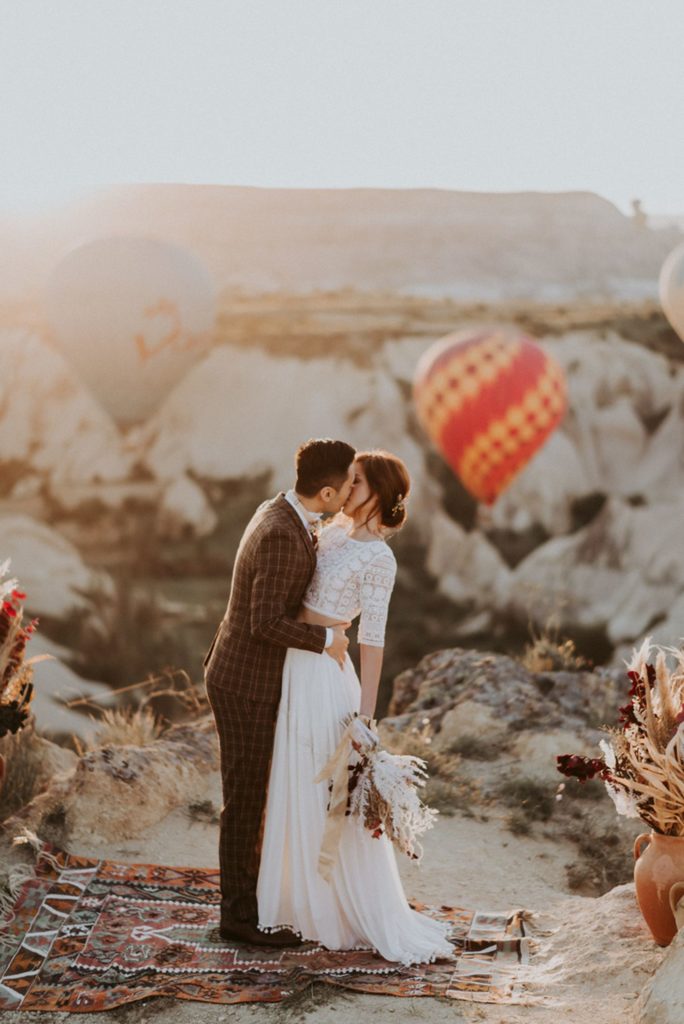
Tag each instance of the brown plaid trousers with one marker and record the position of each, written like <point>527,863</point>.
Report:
<point>243,675</point>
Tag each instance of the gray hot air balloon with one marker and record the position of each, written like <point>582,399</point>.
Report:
<point>671,288</point>
<point>132,315</point>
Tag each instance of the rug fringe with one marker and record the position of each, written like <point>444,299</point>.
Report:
<point>525,980</point>
<point>26,837</point>
<point>532,920</point>
<point>16,878</point>
<point>9,892</point>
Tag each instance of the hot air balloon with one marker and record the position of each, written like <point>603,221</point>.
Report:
<point>488,400</point>
<point>671,288</point>
<point>132,315</point>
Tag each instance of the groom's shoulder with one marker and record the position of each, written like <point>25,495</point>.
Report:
<point>271,514</point>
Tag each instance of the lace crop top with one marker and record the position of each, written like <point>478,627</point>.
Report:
<point>353,576</point>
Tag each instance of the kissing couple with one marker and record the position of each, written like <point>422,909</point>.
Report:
<point>280,683</point>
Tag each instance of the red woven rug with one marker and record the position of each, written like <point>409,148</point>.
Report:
<point>88,935</point>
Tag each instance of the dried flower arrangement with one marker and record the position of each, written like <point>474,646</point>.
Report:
<point>16,671</point>
<point>643,760</point>
<point>378,787</point>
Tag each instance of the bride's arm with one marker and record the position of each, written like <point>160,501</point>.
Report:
<point>371,667</point>
<point>377,583</point>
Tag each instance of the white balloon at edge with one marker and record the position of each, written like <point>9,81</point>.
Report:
<point>671,289</point>
<point>132,315</point>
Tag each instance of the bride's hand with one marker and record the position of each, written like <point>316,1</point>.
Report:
<point>338,648</point>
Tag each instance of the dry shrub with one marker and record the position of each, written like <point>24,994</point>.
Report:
<point>22,779</point>
<point>529,801</point>
<point>585,816</point>
<point>605,860</point>
<point>548,653</point>
<point>30,763</point>
<point>138,724</point>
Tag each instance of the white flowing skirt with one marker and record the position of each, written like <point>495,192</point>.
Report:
<point>363,905</point>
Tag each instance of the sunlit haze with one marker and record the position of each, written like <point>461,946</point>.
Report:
<point>484,95</point>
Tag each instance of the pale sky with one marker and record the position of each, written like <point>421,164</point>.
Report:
<point>482,95</point>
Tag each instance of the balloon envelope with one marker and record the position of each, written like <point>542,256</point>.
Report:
<point>488,400</point>
<point>132,315</point>
<point>671,289</point>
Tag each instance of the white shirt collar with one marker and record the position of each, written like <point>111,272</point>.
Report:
<point>307,517</point>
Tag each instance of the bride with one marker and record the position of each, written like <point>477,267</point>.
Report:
<point>363,905</point>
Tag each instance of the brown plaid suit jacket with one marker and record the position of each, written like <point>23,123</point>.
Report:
<point>243,676</point>
<point>273,567</point>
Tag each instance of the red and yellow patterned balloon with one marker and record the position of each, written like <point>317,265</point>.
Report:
<point>488,400</point>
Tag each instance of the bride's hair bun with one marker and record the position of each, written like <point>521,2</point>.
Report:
<point>389,484</point>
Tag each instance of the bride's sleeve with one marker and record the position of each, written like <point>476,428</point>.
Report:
<point>377,582</point>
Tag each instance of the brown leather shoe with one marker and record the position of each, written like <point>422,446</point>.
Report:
<point>245,931</point>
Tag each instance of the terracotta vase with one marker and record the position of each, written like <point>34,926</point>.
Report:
<point>659,866</point>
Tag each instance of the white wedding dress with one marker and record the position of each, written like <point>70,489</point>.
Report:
<point>363,905</point>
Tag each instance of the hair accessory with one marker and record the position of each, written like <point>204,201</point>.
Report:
<point>398,506</point>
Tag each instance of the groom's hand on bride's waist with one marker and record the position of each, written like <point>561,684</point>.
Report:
<point>340,642</point>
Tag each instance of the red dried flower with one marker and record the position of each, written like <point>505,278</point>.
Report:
<point>627,715</point>
<point>581,768</point>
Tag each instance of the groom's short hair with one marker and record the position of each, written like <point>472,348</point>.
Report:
<point>321,462</point>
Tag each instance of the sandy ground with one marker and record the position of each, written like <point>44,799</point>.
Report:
<point>603,952</point>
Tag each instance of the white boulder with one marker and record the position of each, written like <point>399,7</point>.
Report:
<point>243,412</point>
<point>620,573</point>
<point>614,386</point>
<point>184,506</point>
<point>619,446</point>
<point>601,367</point>
<point>662,998</point>
<point>48,566</point>
<point>468,568</point>
<point>661,473</point>
<point>535,751</point>
<point>470,720</point>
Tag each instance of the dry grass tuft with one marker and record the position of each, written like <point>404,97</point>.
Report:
<point>204,811</point>
<point>548,653</point>
<point>134,727</point>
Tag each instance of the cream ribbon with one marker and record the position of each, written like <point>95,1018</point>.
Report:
<point>337,770</point>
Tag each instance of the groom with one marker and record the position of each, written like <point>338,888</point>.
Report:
<point>273,567</point>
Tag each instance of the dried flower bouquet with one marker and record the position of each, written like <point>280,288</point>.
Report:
<point>378,787</point>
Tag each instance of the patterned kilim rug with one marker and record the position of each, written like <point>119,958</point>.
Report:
<point>88,935</point>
